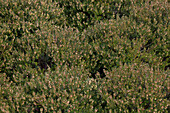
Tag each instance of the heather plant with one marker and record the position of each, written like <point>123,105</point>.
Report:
<point>81,14</point>
<point>154,27</point>
<point>22,36</point>
<point>128,90</point>
<point>84,56</point>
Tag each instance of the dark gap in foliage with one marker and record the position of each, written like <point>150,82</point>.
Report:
<point>44,61</point>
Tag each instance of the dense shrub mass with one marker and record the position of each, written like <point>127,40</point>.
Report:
<point>84,56</point>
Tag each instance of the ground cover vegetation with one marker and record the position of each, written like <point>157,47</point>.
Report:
<point>84,56</point>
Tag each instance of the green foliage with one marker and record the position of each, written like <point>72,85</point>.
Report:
<point>84,56</point>
<point>81,14</point>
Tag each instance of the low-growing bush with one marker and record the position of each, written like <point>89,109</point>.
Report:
<point>128,89</point>
<point>82,14</point>
<point>84,56</point>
